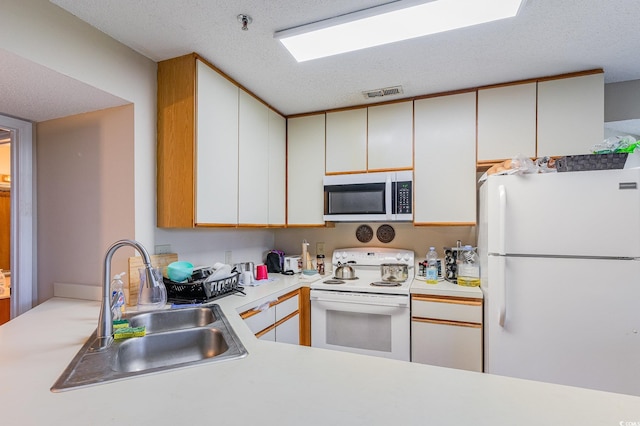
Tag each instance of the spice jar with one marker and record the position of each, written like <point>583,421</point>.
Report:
<point>320,263</point>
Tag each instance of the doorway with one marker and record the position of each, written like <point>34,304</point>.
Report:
<point>22,250</point>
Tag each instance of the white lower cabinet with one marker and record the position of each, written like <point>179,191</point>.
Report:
<point>277,321</point>
<point>446,331</point>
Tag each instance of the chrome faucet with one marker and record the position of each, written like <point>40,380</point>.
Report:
<point>105,323</point>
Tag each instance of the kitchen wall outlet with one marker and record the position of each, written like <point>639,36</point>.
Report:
<point>163,249</point>
<point>319,248</point>
<point>227,257</point>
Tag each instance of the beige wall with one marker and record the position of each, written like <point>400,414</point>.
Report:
<point>407,236</point>
<point>85,195</point>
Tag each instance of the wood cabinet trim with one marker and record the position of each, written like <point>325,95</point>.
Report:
<point>305,316</point>
<point>176,103</point>
<point>446,322</point>
<point>277,323</point>
<point>253,311</point>
<point>470,301</point>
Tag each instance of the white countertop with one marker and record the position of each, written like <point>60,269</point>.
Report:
<point>276,384</point>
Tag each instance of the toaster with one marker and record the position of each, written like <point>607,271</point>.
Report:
<point>292,263</point>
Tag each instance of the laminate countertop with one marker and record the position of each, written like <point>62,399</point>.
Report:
<point>276,384</point>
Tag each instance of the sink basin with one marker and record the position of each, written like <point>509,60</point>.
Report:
<point>175,339</point>
<point>172,348</point>
<point>173,319</point>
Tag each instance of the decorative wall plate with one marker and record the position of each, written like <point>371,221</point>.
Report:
<point>386,233</point>
<point>364,233</point>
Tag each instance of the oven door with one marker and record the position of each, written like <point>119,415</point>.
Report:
<point>364,323</point>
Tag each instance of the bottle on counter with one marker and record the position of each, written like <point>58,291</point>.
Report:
<point>117,296</point>
<point>468,267</point>
<point>432,266</point>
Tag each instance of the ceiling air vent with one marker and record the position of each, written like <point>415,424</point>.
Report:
<point>387,91</point>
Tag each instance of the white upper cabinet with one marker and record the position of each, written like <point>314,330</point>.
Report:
<point>347,141</point>
<point>507,122</point>
<point>277,168</point>
<point>570,115</point>
<point>390,136</point>
<point>216,148</point>
<point>305,164</point>
<point>253,161</point>
<point>445,160</point>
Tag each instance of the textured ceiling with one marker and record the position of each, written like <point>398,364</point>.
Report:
<point>548,37</point>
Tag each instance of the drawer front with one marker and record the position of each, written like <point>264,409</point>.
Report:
<point>287,307</point>
<point>446,345</point>
<point>262,320</point>
<point>463,310</point>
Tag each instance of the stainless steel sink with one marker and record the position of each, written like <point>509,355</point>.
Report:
<point>173,319</point>
<point>175,339</point>
<point>165,349</point>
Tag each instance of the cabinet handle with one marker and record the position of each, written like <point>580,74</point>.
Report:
<point>447,322</point>
<point>453,301</point>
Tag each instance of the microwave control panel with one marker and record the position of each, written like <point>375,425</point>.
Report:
<point>403,197</point>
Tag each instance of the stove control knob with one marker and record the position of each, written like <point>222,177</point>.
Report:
<point>406,257</point>
<point>398,256</point>
<point>344,254</point>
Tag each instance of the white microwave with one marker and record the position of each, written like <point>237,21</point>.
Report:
<point>369,197</point>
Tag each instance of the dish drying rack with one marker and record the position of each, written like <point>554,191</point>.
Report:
<point>201,291</point>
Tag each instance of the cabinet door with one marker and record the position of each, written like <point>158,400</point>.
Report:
<point>347,141</point>
<point>253,161</point>
<point>390,136</point>
<point>507,122</point>
<point>216,148</point>
<point>289,331</point>
<point>277,168</point>
<point>445,160</point>
<point>305,165</point>
<point>570,115</point>
<point>446,344</point>
<point>261,320</point>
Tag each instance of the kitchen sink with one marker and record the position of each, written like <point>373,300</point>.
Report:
<point>165,349</point>
<point>175,339</point>
<point>173,319</point>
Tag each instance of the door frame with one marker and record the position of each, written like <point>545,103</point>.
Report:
<point>24,284</point>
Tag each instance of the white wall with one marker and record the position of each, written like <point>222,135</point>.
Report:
<point>204,247</point>
<point>45,34</point>
<point>621,101</point>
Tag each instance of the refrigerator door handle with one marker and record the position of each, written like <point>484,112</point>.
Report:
<point>502,218</point>
<point>502,284</point>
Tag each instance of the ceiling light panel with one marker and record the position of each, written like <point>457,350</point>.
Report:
<point>392,22</point>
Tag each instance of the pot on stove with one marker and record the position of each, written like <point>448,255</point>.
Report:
<point>394,272</point>
<point>344,272</point>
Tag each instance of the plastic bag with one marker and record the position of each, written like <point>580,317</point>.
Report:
<point>616,144</point>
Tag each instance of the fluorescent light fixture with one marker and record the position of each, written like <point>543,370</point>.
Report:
<point>391,22</point>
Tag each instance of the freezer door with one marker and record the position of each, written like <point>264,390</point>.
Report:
<point>566,321</point>
<point>593,213</point>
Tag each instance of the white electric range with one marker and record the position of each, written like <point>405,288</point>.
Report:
<point>364,315</point>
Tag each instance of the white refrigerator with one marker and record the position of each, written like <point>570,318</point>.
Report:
<point>560,272</point>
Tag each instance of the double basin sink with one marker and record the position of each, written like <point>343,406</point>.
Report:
<point>174,339</point>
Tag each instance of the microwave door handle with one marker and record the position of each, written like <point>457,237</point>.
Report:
<point>388,198</point>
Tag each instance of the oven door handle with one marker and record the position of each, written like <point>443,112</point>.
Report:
<point>377,301</point>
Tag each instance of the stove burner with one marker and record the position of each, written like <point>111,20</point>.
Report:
<point>386,284</point>
<point>333,281</point>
